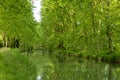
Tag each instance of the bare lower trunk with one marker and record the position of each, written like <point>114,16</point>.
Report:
<point>4,40</point>
<point>109,29</point>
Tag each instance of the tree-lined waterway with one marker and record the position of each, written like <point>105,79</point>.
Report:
<point>79,36</point>
<point>76,69</point>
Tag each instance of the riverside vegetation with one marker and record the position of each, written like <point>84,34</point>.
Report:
<point>68,29</point>
<point>15,66</point>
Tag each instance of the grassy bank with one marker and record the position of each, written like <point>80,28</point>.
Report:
<point>16,66</point>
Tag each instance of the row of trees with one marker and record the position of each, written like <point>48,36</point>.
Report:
<point>17,25</point>
<point>81,26</point>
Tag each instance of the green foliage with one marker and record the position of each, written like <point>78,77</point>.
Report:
<point>77,26</point>
<point>16,20</point>
<point>15,66</point>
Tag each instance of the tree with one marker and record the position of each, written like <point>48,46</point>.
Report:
<point>17,22</point>
<point>86,27</point>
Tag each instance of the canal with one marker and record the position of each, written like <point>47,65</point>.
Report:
<point>49,68</point>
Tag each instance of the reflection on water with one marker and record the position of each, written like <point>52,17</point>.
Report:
<point>39,77</point>
<point>80,70</point>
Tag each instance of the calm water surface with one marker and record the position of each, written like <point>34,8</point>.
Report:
<point>81,69</point>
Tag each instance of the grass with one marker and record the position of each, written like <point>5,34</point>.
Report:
<point>16,66</point>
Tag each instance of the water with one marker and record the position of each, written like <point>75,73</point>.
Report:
<point>79,69</point>
<point>39,77</point>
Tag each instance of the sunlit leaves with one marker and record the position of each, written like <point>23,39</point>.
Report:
<point>80,25</point>
<point>16,19</point>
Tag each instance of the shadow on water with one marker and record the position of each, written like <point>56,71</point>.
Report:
<point>81,69</point>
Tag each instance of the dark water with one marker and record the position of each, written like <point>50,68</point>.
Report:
<point>80,70</point>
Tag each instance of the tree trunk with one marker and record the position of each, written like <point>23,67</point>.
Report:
<point>108,28</point>
<point>4,40</point>
<point>94,43</point>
